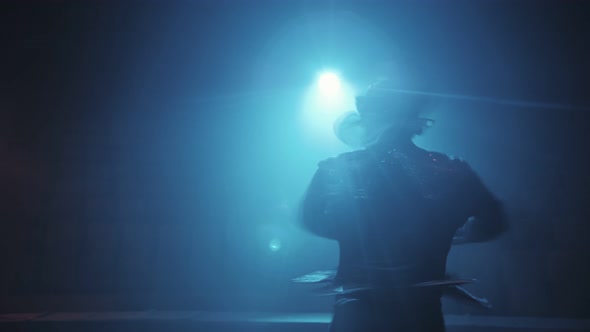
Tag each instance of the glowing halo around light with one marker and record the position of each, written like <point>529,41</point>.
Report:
<point>327,98</point>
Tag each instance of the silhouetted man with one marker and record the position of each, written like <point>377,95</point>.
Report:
<point>395,210</point>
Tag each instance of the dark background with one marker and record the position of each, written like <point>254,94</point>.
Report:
<point>145,145</point>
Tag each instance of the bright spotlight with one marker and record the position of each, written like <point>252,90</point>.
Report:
<point>329,83</point>
<point>329,96</point>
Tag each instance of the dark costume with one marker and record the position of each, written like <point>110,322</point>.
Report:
<point>395,210</point>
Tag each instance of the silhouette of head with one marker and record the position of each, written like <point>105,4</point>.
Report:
<point>383,112</point>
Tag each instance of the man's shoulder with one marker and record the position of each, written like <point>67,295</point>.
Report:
<point>440,156</point>
<point>346,158</point>
<point>459,164</point>
<point>453,163</point>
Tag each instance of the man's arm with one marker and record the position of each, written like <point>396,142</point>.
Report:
<point>487,218</point>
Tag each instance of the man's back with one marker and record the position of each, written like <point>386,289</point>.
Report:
<point>393,211</point>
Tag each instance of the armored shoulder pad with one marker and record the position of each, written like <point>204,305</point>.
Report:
<point>461,167</point>
<point>347,158</point>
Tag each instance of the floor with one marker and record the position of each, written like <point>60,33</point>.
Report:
<point>233,321</point>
